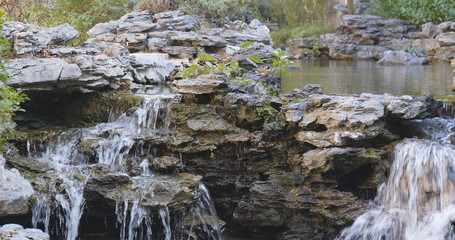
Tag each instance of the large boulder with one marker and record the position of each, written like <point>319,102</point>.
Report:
<point>205,84</point>
<point>151,68</point>
<point>17,232</point>
<point>328,121</point>
<point>403,57</point>
<point>14,190</point>
<point>175,20</point>
<point>28,40</point>
<point>41,73</point>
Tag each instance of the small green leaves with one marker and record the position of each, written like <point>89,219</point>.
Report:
<point>205,57</point>
<point>256,59</point>
<point>281,64</point>
<point>247,44</point>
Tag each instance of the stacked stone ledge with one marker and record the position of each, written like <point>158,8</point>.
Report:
<point>138,48</point>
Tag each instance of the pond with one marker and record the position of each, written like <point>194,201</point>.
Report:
<point>354,77</point>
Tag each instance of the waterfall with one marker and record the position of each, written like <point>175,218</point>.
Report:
<point>418,199</point>
<point>58,210</point>
<point>136,220</point>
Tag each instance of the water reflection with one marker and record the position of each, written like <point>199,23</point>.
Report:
<point>368,76</point>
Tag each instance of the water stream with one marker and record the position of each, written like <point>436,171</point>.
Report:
<point>59,209</point>
<point>417,201</point>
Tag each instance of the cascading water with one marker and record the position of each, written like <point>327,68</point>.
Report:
<point>418,199</point>
<point>63,199</point>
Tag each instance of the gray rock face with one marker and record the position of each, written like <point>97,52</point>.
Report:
<point>202,85</point>
<point>368,37</point>
<point>329,121</point>
<point>175,20</point>
<point>151,68</point>
<point>402,57</point>
<point>151,192</point>
<point>41,74</point>
<point>27,39</point>
<point>17,232</point>
<point>446,39</point>
<point>14,190</point>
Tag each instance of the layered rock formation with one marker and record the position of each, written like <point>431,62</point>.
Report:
<point>135,48</point>
<point>369,37</point>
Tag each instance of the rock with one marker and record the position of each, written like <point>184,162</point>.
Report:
<point>100,65</point>
<point>83,49</point>
<point>406,108</point>
<point>334,162</point>
<point>134,42</point>
<point>103,28</point>
<point>156,44</point>
<point>143,16</point>
<point>446,39</point>
<point>151,68</point>
<point>175,20</point>
<point>369,52</point>
<point>360,21</point>
<point>29,164</point>
<point>336,112</point>
<point>98,187</point>
<point>203,85</point>
<point>305,91</point>
<point>259,50</point>
<point>166,163</point>
<point>14,190</point>
<point>241,108</point>
<point>196,40</point>
<point>31,234</point>
<point>28,40</point>
<point>209,125</point>
<point>41,74</point>
<point>104,192</point>
<point>430,30</point>
<point>402,57</point>
<point>180,51</point>
<point>137,27</point>
<point>17,232</point>
<point>63,35</point>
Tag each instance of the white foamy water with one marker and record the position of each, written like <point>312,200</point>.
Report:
<point>418,200</point>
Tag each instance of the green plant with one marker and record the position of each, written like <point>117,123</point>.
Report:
<point>10,99</point>
<point>415,11</point>
<point>213,11</point>
<point>315,48</point>
<point>242,81</point>
<point>266,112</point>
<point>81,14</point>
<point>409,48</point>
<point>205,64</point>
<point>281,64</point>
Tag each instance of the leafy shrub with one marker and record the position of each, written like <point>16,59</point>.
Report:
<point>282,35</point>
<point>281,64</point>
<point>415,11</point>
<point>81,14</point>
<point>205,64</point>
<point>213,11</point>
<point>9,98</point>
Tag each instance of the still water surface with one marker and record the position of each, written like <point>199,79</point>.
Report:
<point>351,77</point>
